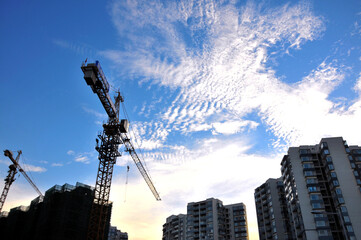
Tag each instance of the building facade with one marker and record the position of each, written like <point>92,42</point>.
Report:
<point>116,234</point>
<point>237,219</point>
<point>63,213</point>
<point>209,219</point>
<point>175,227</point>
<point>272,213</point>
<point>323,190</point>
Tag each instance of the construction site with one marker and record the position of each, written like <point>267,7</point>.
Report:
<point>81,211</point>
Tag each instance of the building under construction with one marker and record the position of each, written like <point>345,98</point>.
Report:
<point>63,213</point>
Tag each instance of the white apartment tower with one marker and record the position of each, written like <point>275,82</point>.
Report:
<point>323,190</point>
<point>209,220</point>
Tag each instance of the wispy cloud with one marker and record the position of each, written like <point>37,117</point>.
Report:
<point>98,115</point>
<point>70,152</point>
<point>32,168</point>
<point>79,48</point>
<point>81,158</point>
<point>213,169</point>
<point>84,157</point>
<point>26,167</point>
<point>57,164</point>
<point>216,56</point>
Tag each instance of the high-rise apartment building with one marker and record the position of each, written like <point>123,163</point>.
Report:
<point>209,219</point>
<point>116,234</point>
<point>237,219</point>
<point>63,213</point>
<point>272,213</point>
<point>175,227</point>
<point>323,190</point>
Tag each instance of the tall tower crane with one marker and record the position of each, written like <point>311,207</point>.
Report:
<point>115,132</point>
<point>10,178</point>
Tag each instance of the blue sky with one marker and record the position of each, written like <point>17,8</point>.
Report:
<point>216,92</point>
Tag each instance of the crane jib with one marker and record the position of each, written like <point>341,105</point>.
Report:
<point>95,78</point>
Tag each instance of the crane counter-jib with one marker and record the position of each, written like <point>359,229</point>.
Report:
<point>94,76</point>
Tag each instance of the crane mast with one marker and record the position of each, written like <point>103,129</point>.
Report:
<point>114,133</point>
<point>10,178</point>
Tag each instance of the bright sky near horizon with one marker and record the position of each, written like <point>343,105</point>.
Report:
<point>216,92</point>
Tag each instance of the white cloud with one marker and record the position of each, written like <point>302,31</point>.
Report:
<point>57,164</point>
<point>231,127</point>
<point>228,78</point>
<point>70,152</point>
<point>357,87</point>
<point>32,168</point>
<point>223,171</point>
<point>82,159</point>
<point>98,115</point>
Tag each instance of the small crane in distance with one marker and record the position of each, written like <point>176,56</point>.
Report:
<point>115,132</point>
<point>10,178</point>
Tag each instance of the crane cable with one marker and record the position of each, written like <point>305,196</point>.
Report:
<point>135,138</point>
<point>126,184</point>
<point>27,168</point>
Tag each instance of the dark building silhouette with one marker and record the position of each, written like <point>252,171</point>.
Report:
<point>175,227</point>
<point>62,214</point>
<point>116,234</point>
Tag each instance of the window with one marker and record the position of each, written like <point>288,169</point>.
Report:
<point>304,151</point>
<point>335,183</point>
<point>326,151</point>
<point>309,173</point>
<point>320,223</point>
<point>338,191</point>
<point>271,210</point>
<point>323,145</point>
<point>343,209</point>
<point>341,200</point>
<point>349,228</point>
<point>346,218</point>
<point>323,233</point>
<point>328,159</point>
<point>316,205</point>
<point>305,159</point>
<point>350,157</point>
<point>311,180</point>
<point>315,196</point>
<point>353,166</point>
<point>331,167</point>
<point>312,189</point>
<point>308,165</point>
<point>358,181</point>
<point>333,174</point>
<point>355,173</point>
